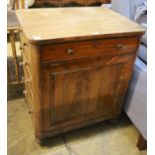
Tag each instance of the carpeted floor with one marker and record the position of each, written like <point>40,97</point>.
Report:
<point>99,139</point>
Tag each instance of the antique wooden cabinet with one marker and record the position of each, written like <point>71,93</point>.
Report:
<point>77,65</point>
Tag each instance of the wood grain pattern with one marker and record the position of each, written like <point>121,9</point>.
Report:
<point>80,2</point>
<point>31,65</point>
<point>72,24</point>
<point>60,52</point>
<point>77,76</point>
<point>76,83</point>
<point>41,3</point>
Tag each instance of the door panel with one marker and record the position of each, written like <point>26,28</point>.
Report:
<point>84,89</point>
<point>84,92</point>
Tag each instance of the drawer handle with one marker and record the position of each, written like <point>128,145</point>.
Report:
<point>23,78</point>
<point>30,112</point>
<point>25,44</point>
<point>24,92</point>
<point>119,46</point>
<point>70,51</point>
<point>23,63</point>
<point>21,48</point>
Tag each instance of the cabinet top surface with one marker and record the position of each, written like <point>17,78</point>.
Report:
<point>77,23</point>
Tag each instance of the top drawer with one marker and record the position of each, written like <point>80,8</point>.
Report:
<point>74,50</point>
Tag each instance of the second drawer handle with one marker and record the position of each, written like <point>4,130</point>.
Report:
<point>70,51</point>
<point>119,46</point>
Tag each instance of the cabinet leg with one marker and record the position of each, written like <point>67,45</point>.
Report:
<point>41,142</point>
<point>142,143</point>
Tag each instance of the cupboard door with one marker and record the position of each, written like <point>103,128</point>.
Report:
<point>85,89</point>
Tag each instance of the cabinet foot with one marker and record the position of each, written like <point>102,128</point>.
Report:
<point>142,143</point>
<point>41,142</point>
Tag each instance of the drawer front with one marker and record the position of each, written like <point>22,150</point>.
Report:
<point>25,51</point>
<point>28,87</point>
<point>67,51</point>
<point>29,97</point>
<point>27,75</point>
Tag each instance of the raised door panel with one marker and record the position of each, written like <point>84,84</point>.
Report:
<point>86,89</point>
<point>83,93</point>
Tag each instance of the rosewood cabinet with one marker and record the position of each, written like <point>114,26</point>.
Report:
<point>77,68</point>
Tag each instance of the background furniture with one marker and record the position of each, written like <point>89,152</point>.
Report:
<point>136,100</point>
<point>76,68</point>
<point>14,71</point>
<point>60,3</point>
<point>19,4</point>
<point>12,27</point>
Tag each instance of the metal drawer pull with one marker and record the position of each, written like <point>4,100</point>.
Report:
<point>25,44</point>
<point>70,51</point>
<point>119,46</point>
<point>23,63</point>
<point>24,92</point>
<point>23,78</point>
<point>21,48</point>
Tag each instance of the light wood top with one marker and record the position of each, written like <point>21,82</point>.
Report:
<point>76,23</point>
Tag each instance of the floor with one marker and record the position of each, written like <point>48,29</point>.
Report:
<point>103,138</point>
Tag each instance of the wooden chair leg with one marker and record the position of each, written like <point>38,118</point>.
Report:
<point>142,143</point>
<point>22,4</point>
<point>13,46</point>
<point>17,4</point>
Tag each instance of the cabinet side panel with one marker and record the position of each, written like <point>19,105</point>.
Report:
<point>36,86</point>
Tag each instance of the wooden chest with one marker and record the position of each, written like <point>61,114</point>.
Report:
<point>77,65</point>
